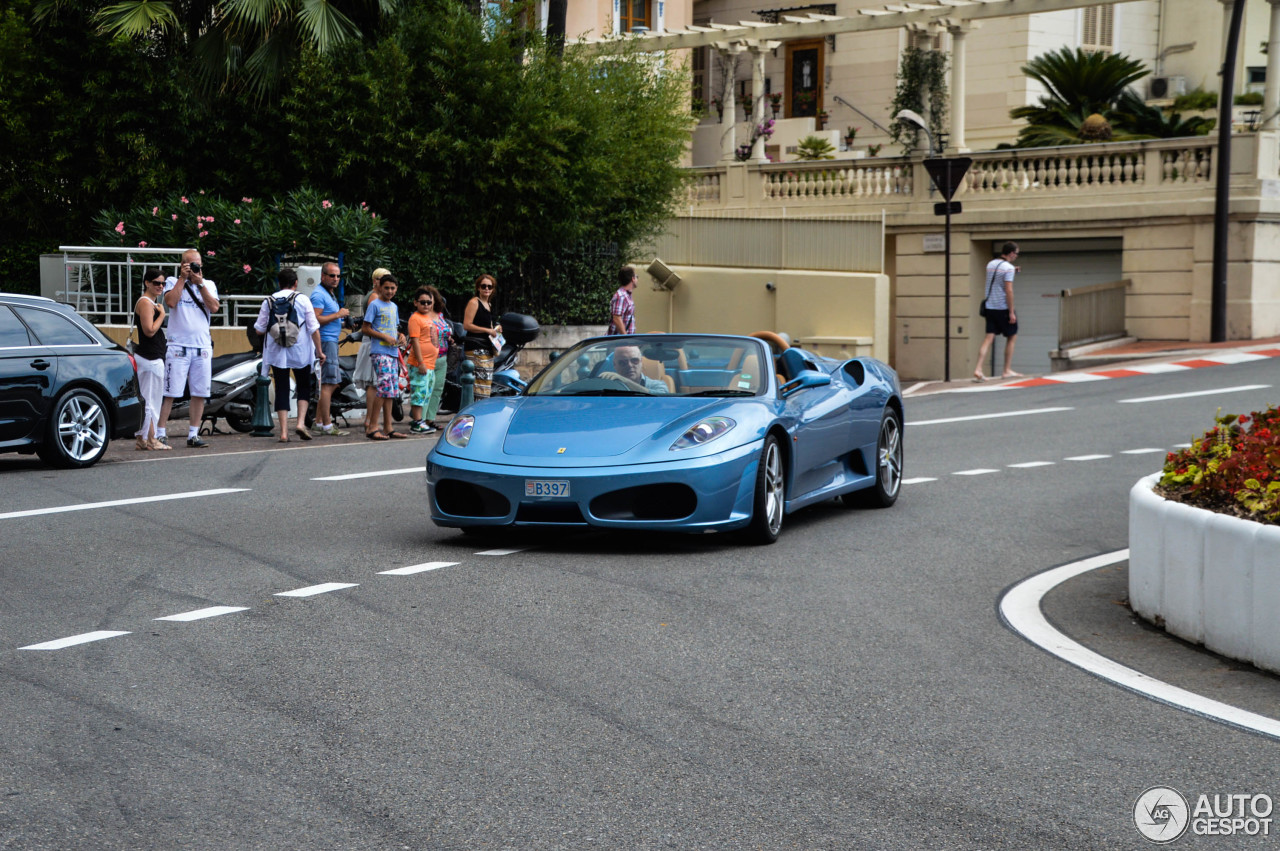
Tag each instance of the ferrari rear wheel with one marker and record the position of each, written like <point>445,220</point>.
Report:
<point>889,457</point>
<point>770,498</point>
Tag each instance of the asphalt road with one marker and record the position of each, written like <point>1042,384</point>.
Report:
<point>851,686</point>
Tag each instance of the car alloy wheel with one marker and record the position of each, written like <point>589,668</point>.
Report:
<point>78,431</point>
<point>770,496</point>
<point>889,450</point>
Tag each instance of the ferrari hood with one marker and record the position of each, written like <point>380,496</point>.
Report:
<point>547,427</point>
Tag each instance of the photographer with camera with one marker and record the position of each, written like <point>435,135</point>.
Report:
<point>191,299</point>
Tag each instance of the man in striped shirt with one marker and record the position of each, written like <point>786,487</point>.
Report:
<point>622,307</point>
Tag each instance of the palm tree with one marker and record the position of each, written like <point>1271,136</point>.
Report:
<point>1079,86</point>
<point>245,43</point>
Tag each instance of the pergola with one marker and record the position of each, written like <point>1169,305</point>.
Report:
<point>957,17</point>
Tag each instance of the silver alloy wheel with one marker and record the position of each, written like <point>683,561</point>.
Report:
<point>773,487</point>
<point>890,456</point>
<point>82,427</point>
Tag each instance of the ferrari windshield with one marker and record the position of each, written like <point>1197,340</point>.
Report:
<point>658,365</point>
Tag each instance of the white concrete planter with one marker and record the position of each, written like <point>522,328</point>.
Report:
<point>1206,577</point>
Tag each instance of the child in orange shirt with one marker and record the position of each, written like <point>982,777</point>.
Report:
<point>424,343</point>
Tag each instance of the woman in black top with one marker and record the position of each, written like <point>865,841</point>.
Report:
<point>149,354</point>
<point>480,343</point>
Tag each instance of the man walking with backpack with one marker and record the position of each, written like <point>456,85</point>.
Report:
<point>291,333</point>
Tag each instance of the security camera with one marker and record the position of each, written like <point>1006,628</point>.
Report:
<point>770,286</point>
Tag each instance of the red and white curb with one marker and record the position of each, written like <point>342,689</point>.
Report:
<point>1150,369</point>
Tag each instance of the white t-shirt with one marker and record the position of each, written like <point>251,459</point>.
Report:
<point>302,353</point>
<point>189,321</point>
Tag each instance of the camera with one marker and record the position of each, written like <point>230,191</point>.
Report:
<point>195,267</point>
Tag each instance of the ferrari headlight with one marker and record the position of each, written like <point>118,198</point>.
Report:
<point>704,432</point>
<point>459,431</point>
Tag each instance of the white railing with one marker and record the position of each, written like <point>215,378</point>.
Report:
<point>103,284</point>
<point>1123,166</point>
<point>873,179</point>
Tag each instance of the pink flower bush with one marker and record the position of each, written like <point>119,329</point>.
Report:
<point>120,228</point>
<point>142,244</point>
<point>237,221</point>
<point>204,233</point>
<point>211,254</point>
<point>174,217</point>
<point>155,210</point>
<point>247,200</point>
<point>324,205</point>
<point>184,200</point>
<point>247,268</point>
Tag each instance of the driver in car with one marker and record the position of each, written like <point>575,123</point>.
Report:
<point>626,362</point>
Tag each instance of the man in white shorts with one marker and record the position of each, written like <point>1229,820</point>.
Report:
<point>191,299</point>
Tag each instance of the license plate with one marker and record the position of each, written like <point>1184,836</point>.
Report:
<point>546,487</point>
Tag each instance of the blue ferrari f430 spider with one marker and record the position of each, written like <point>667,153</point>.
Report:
<point>685,432</point>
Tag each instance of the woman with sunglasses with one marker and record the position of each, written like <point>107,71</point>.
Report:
<point>149,353</point>
<point>481,343</point>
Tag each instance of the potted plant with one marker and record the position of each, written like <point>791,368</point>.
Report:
<point>874,150</point>
<point>821,119</point>
<point>775,102</point>
<point>850,133</point>
<point>803,101</point>
<point>719,108</point>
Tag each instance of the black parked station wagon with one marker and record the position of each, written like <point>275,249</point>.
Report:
<point>65,389</point>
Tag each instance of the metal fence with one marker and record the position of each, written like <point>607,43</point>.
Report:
<point>1092,314</point>
<point>103,284</point>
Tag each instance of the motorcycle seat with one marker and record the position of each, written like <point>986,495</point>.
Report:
<point>347,362</point>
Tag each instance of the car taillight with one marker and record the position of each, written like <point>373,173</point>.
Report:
<point>133,361</point>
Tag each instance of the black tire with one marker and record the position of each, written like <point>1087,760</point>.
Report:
<point>243,425</point>
<point>397,409</point>
<point>889,466</point>
<point>78,432</point>
<point>770,499</point>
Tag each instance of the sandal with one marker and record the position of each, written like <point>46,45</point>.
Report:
<point>376,435</point>
<point>303,433</point>
<point>397,435</point>
<point>282,440</point>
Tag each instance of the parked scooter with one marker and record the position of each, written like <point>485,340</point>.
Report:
<point>518,331</point>
<point>346,396</point>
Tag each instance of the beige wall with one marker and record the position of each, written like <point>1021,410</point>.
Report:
<point>832,310</point>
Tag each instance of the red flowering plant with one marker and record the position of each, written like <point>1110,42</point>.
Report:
<point>1233,469</point>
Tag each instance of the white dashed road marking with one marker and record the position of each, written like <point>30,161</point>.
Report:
<point>989,416</point>
<point>370,475</point>
<point>505,552</point>
<point>312,590</point>
<point>1029,464</point>
<point>1086,458</point>
<point>73,640</point>
<point>201,614</point>
<point>1240,389</point>
<point>918,481</point>
<point>978,472</point>
<point>416,568</point>
<point>1020,610</point>
<point>1146,451</point>
<point>85,506</point>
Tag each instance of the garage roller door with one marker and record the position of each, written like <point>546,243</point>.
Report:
<point>1045,273</point>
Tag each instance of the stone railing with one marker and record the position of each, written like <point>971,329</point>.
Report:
<point>902,185</point>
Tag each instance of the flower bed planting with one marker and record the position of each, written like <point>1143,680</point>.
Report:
<point>1233,469</point>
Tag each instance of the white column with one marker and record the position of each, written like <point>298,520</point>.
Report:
<point>757,93</point>
<point>728,118</point>
<point>958,86</point>
<point>1271,95</point>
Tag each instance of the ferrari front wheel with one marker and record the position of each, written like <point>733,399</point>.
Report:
<point>770,496</point>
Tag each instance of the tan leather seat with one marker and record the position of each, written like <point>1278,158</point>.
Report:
<point>656,369</point>
<point>749,378</point>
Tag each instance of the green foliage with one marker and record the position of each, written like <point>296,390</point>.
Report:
<point>1078,85</point>
<point>242,240</point>
<point>1248,99</point>
<point>815,148</point>
<point>459,141</point>
<point>1233,469</point>
<point>1195,101</point>
<point>1149,122</point>
<point>246,44</point>
<point>922,88</point>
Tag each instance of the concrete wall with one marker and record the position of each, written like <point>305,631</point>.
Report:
<point>829,307</point>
